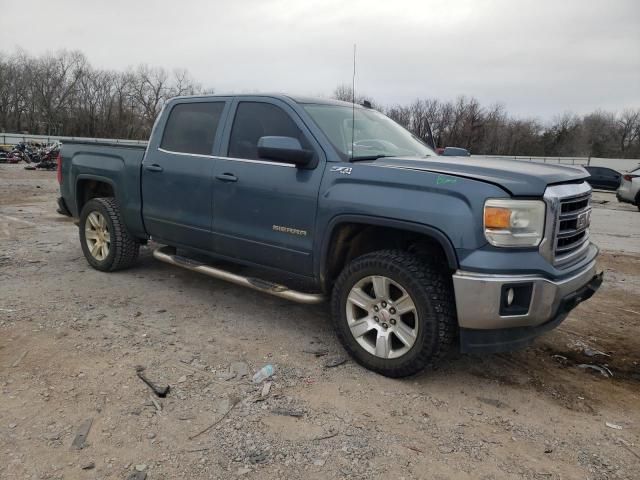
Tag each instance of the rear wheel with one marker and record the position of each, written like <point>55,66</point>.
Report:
<point>394,312</point>
<point>105,241</point>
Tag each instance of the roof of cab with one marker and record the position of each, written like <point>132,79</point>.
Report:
<point>281,96</point>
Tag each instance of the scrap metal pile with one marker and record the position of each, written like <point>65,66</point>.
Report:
<point>35,155</point>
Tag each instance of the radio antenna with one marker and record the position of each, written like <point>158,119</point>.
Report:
<point>353,101</point>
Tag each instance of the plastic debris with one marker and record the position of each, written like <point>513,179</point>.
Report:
<point>264,373</point>
<point>604,371</point>
<point>586,349</point>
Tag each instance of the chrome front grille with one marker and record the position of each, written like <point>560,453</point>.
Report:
<point>567,227</point>
<point>573,228</point>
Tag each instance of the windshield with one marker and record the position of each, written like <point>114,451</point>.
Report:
<point>374,135</point>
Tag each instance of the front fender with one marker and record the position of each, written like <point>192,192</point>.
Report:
<point>427,230</point>
<point>446,208</point>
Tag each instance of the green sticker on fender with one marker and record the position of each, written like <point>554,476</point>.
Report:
<point>444,180</point>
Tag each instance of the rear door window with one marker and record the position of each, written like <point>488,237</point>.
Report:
<point>254,120</point>
<point>192,127</point>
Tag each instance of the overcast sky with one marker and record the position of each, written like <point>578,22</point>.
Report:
<point>538,58</point>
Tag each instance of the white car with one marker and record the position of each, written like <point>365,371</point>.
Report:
<point>629,191</point>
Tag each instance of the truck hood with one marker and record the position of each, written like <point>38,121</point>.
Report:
<point>520,178</point>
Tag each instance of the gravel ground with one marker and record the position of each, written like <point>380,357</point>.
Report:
<point>619,231</point>
<point>71,338</point>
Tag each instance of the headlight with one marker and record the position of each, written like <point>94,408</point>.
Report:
<point>514,223</point>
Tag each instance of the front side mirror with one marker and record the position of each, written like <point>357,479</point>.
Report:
<point>284,149</point>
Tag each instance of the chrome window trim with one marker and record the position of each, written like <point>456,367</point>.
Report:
<point>246,160</point>
<point>266,162</point>
<point>185,153</point>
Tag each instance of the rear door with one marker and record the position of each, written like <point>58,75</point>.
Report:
<point>177,173</point>
<point>612,178</point>
<point>264,211</point>
<point>597,179</point>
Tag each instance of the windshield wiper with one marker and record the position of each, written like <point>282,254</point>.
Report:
<point>369,157</point>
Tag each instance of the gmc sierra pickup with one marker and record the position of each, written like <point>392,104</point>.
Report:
<point>416,251</point>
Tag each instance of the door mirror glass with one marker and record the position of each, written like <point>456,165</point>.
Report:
<point>284,149</point>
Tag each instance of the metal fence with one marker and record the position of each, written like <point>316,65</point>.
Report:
<point>619,164</point>
<point>13,138</point>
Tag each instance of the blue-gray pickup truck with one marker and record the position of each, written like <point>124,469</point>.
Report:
<point>415,252</point>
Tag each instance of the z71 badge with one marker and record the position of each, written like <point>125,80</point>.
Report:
<point>342,170</point>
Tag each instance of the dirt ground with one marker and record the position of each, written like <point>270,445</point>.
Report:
<point>71,337</point>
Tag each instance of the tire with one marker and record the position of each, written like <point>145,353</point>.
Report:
<point>121,248</point>
<point>433,322</point>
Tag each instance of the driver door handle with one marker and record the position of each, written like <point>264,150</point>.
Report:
<point>154,167</point>
<point>227,177</point>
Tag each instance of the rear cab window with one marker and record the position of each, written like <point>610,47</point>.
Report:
<point>191,127</point>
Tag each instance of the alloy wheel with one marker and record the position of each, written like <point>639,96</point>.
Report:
<point>97,236</point>
<point>382,317</point>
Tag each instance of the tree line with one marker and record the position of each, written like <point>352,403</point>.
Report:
<point>464,122</point>
<point>63,94</point>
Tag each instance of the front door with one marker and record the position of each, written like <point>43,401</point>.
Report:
<point>177,174</point>
<point>264,211</point>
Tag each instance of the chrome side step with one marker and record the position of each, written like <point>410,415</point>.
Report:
<point>168,255</point>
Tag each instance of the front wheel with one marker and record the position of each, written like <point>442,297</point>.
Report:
<point>106,243</point>
<point>394,312</point>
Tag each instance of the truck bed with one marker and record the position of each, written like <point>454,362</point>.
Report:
<point>114,163</point>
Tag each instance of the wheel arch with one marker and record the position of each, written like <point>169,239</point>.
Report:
<point>93,186</point>
<point>123,247</point>
<point>379,232</point>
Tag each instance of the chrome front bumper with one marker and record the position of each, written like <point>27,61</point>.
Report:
<point>478,298</point>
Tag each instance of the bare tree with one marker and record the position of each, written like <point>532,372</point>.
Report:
<point>400,114</point>
<point>61,93</point>
<point>628,129</point>
<point>344,93</point>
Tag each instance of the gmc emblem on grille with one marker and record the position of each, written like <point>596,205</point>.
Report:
<point>583,220</point>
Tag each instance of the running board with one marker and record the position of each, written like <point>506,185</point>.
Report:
<point>168,255</point>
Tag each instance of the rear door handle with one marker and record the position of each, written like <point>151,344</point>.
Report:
<point>153,167</point>
<point>227,177</point>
